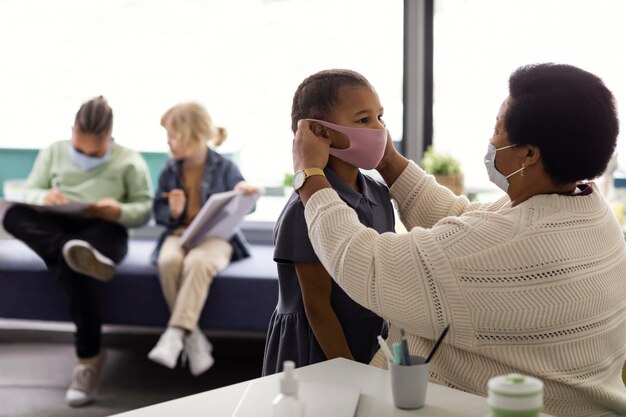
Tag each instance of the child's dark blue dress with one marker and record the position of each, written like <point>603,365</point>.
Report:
<point>289,336</point>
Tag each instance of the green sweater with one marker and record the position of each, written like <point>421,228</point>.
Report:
<point>124,177</point>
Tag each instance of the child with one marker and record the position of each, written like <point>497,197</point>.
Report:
<point>315,320</point>
<point>186,182</point>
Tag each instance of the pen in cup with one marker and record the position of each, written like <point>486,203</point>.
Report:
<point>405,348</point>
<point>386,349</point>
<point>397,352</point>
<point>437,343</point>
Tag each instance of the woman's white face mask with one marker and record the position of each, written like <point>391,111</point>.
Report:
<point>496,176</point>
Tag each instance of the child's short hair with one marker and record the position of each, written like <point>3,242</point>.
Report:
<point>94,117</point>
<point>191,123</point>
<point>318,93</point>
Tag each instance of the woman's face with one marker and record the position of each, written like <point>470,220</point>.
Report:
<point>89,144</point>
<point>507,160</point>
<point>356,107</point>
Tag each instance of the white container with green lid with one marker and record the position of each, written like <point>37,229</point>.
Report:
<point>515,395</point>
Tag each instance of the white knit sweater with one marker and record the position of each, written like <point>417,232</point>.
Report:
<point>537,289</point>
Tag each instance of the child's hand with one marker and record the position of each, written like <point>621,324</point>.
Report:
<point>177,201</point>
<point>309,151</point>
<point>245,188</point>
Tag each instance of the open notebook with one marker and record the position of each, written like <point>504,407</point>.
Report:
<point>218,217</point>
<point>320,399</point>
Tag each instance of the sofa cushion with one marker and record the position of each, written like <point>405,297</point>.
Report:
<point>241,298</point>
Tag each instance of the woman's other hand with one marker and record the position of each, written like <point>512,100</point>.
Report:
<point>107,209</point>
<point>309,150</point>
<point>392,164</point>
<point>246,188</point>
<point>177,201</point>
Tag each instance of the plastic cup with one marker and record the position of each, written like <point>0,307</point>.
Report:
<point>409,383</point>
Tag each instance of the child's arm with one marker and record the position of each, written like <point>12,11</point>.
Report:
<point>316,286</point>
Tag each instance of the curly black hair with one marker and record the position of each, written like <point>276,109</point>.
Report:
<point>318,93</point>
<point>569,114</point>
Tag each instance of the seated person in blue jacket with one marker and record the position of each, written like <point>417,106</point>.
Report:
<point>315,320</point>
<point>83,250</point>
<point>189,178</point>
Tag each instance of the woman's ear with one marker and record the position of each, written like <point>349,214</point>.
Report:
<point>532,156</point>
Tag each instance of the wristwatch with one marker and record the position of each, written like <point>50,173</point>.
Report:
<point>300,176</point>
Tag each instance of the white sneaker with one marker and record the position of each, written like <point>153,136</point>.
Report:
<point>167,349</point>
<point>85,259</point>
<point>85,380</point>
<point>198,353</point>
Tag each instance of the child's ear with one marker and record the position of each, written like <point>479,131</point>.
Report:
<point>319,130</point>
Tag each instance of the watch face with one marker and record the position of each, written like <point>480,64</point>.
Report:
<point>298,180</point>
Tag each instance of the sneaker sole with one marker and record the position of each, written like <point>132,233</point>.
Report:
<point>198,372</point>
<point>85,260</point>
<point>79,403</point>
<point>154,357</point>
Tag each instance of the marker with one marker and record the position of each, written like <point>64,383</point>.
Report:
<point>57,184</point>
<point>397,352</point>
<point>386,350</point>
<point>165,195</point>
<point>405,348</point>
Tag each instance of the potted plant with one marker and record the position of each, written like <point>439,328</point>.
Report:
<point>288,183</point>
<point>445,168</point>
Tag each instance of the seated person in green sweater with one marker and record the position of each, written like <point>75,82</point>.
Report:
<point>83,249</point>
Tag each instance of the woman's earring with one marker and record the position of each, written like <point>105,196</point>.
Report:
<point>521,174</point>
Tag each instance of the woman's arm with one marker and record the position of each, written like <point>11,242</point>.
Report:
<point>316,286</point>
<point>421,201</point>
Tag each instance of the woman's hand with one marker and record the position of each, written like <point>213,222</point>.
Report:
<point>107,209</point>
<point>176,201</point>
<point>53,197</point>
<point>246,188</point>
<point>309,151</point>
<point>392,164</point>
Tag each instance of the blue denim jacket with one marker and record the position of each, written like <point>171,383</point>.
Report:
<point>220,174</point>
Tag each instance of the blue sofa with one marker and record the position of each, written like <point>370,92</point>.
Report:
<point>241,298</point>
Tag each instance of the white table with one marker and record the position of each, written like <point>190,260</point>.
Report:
<point>375,400</point>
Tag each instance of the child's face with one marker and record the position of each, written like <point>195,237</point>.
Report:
<point>177,147</point>
<point>356,107</point>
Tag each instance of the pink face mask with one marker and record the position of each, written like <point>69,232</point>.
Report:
<point>367,146</point>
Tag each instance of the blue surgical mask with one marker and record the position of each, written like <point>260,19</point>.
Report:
<point>494,175</point>
<point>87,163</point>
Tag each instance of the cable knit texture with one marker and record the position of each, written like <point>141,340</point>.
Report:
<point>536,289</point>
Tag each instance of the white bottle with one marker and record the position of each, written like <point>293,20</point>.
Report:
<point>515,395</point>
<point>287,403</point>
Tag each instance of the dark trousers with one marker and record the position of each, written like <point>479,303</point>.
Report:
<point>46,233</point>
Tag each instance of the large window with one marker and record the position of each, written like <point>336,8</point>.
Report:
<point>478,43</point>
<point>242,59</point>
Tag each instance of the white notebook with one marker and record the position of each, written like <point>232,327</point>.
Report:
<point>320,399</point>
<point>219,217</point>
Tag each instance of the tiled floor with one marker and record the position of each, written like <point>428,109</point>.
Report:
<point>35,369</point>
